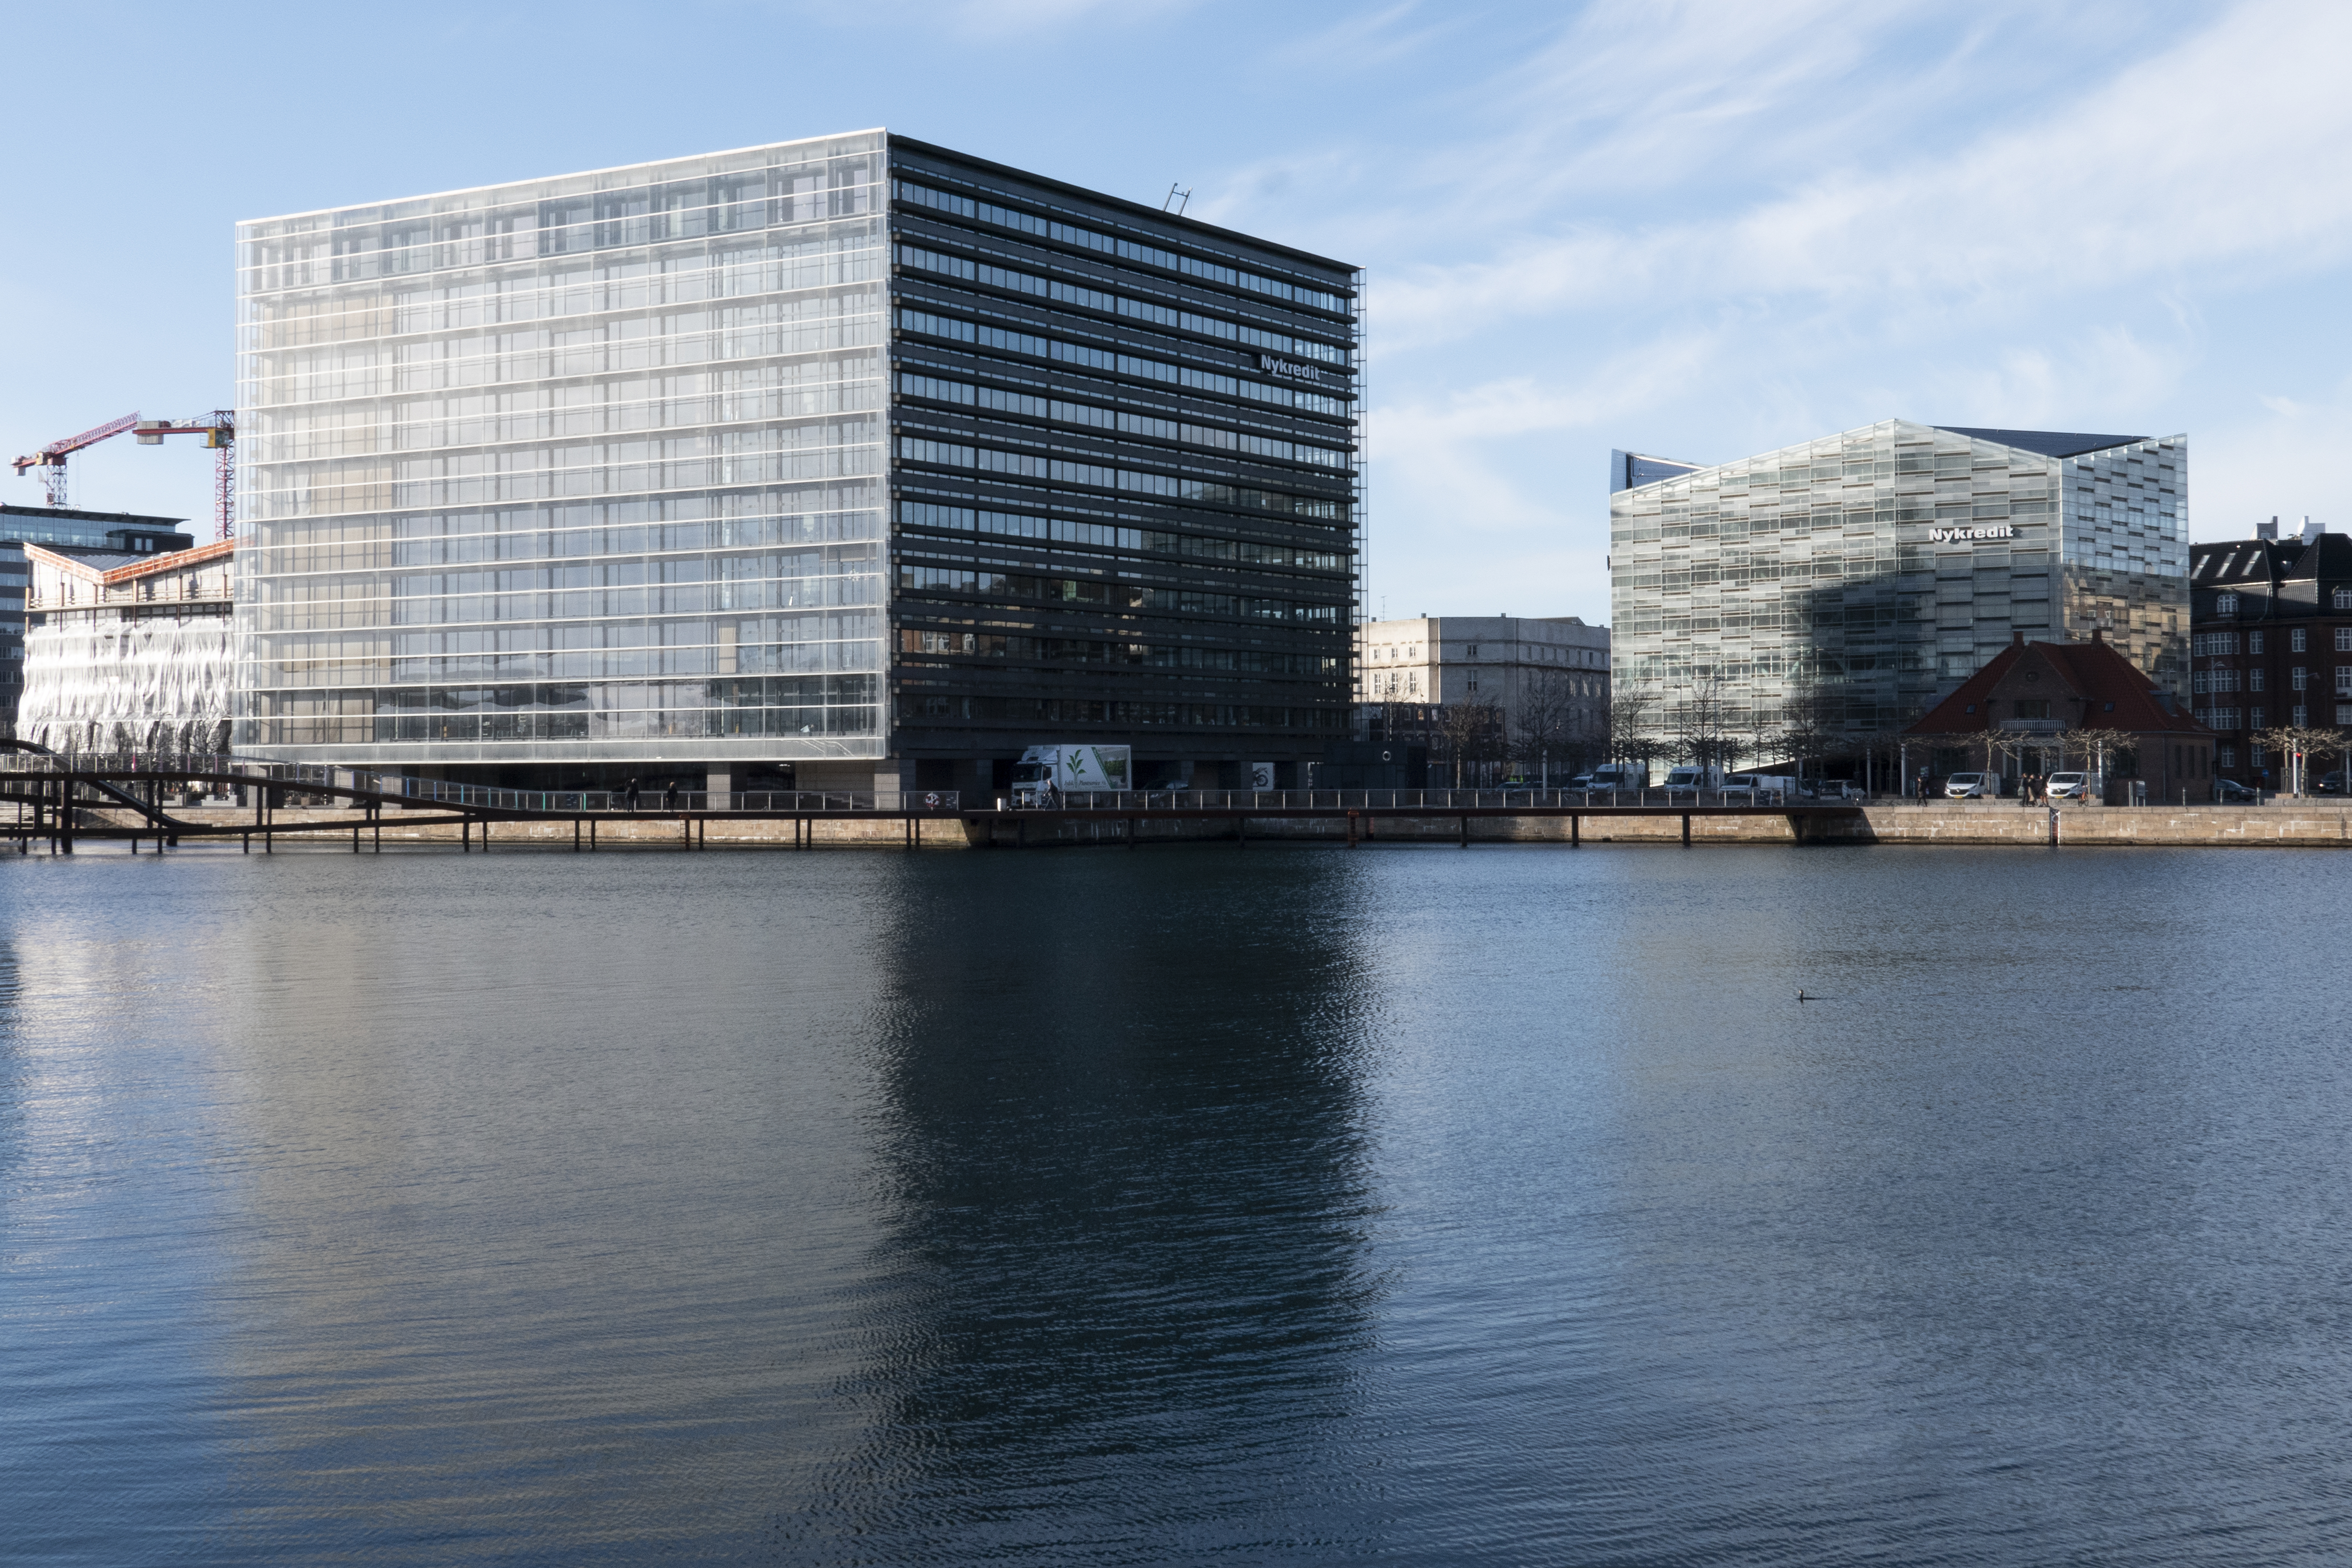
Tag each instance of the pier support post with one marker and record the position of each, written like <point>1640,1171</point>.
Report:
<point>1465,833</point>
<point>1351,830</point>
<point>1685,829</point>
<point>466,835</point>
<point>1575,831</point>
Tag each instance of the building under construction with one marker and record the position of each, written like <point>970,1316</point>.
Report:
<point>120,534</point>
<point>127,651</point>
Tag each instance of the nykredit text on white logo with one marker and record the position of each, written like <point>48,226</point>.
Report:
<point>1953,536</point>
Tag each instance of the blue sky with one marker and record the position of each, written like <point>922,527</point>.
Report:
<point>1697,230</point>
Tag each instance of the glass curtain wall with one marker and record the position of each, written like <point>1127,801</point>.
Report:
<point>575,469</point>
<point>1127,472</point>
<point>1843,585</point>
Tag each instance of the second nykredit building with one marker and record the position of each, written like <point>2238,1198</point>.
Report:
<point>1868,573</point>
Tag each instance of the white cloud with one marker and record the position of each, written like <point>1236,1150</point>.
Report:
<point>2223,153</point>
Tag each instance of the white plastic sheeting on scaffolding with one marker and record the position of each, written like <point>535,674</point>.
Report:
<point>157,683</point>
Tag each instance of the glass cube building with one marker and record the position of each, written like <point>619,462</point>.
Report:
<point>848,458</point>
<point>1866,574</point>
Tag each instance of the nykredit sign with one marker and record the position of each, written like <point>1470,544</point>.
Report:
<point>1970,536</point>
<point>1295,370</point>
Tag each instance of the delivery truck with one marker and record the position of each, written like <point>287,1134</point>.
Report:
<point>1051,772</point>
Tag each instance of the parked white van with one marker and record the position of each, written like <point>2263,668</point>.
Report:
<point>1972,786</point>
<point>2070,786</point>
<point>1777,788</point>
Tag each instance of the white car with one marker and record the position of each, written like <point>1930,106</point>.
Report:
<point>2070,786</point>
<point>1972,786</point>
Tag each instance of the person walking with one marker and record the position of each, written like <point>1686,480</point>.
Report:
<point>669,795</point>
<point>629,795</point>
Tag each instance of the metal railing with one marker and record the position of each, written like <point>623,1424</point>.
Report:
<point>1282,800</point>
<point>405,790</point>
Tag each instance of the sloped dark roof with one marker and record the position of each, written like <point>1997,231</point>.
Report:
<point>2330,555</point>
<point>2049,443</point>
<point>2092,672</point>
<point>2237,561</point>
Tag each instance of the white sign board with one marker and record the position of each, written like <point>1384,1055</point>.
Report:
<point>1261,775</point>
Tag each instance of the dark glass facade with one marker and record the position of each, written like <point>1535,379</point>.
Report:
<point>1123,476</point>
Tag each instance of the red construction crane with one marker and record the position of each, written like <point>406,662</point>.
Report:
<point>219,430</point>
<point>51,459</point>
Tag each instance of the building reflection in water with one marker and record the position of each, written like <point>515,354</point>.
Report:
<point>1125,1273</point>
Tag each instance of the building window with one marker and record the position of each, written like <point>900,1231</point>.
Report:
<point>2297,678</point>
<point>2033,708</point>
<point>1412,683</point>
<point>2344,713</point>
<point>2200,683</point>
<point>2301,716</point>
<point>2225,604</point>
<point>2342,598</point>
<point>1473,680</point>
<point>2344,639</point>
<point>2221,718</point>
<point>2343,681</point>
<point>2256,719</point>
<point>1472,652</point>
<point>2229,755</point>
<point>2253,642</point>
<point>2254,678</point>
<point>2298,640</point>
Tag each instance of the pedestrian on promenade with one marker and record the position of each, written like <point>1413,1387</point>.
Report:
<point>669,795</point>
<point>629,795</point>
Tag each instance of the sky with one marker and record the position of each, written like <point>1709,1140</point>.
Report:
<point>1695,230</point>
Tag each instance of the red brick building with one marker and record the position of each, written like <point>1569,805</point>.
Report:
<point>2041,691</point>
<point>2270,642</point>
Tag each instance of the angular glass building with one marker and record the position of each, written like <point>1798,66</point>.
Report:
<point>1854,580</point>
<point>850,460</point>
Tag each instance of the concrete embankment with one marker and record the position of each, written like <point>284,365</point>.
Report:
<point>2284,825</point>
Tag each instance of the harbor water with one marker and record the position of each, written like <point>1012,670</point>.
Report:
<point>1199,1204</point>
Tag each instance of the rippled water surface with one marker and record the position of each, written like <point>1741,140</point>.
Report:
<point>1189,1205</point>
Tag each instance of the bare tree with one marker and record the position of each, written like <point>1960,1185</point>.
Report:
<point>1701,720</point>
<point>1545,724</point>
<point>1633,729</point>
<point>1810,720</point>
<point>2302,742</point>
<point>1470,731</point>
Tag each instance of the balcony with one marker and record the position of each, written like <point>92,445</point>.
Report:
<point>2031,726</point>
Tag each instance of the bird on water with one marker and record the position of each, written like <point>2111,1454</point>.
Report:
<point>1800,993</point>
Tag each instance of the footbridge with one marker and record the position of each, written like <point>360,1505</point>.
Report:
<point>148,799</point>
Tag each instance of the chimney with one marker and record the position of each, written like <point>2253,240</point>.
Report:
<point>2311,531</point>
<point>2266,529</point>
<point>2099,634</point>
<point>2017,637</point>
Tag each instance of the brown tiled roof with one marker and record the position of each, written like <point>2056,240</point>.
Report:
<point>2092,672</point>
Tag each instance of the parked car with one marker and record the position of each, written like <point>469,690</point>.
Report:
<point>2331,784</point>
<point>2070,786</point>
<point>2229,792</point>
<point>1972,786</point>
